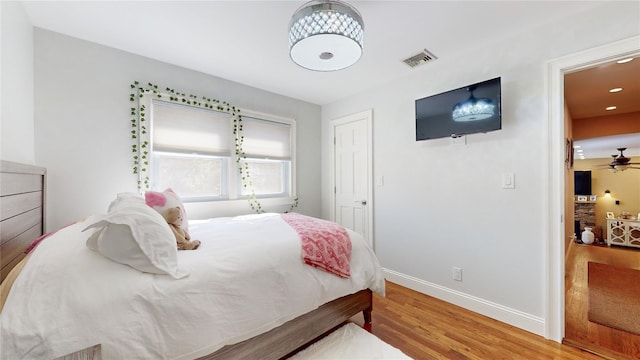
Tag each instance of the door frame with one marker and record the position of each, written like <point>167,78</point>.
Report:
<point>366,115</point>
<point>554,267</point>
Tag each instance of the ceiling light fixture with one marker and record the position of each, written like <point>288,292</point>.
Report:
<point>624,60</point>
<point>611,108</point>
<point>473,109</point>
<point>615,90</point>
<point>326,35</point>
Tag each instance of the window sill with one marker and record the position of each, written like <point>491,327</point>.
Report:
<point>210,209</point>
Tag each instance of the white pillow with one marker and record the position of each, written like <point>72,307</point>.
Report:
<point>123,199</point>
<point>134,234</point>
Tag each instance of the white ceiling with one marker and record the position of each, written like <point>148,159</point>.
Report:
<point>246,41</point>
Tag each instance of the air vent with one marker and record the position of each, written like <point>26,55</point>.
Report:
<point>420,59</point>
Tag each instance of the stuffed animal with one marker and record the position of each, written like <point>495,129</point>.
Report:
<point>174,219</point>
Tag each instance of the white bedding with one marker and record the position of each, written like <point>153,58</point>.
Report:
<point>246,278</point>
<point>350,342</point>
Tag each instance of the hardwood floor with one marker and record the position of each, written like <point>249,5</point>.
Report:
<point>424,327</point>
<point>579,331</point>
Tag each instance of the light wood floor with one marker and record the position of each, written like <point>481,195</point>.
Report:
<point>579,331</point>
<point>424,327</point>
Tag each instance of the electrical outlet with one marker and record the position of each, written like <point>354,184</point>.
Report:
<point>456,274</point>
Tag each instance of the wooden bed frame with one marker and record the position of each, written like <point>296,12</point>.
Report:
<point>299,332</point>
<point>22,191</point>
<point>22,195</point>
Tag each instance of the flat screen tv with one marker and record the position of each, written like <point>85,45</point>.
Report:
<point>475,108</point>
<point>582,182</point>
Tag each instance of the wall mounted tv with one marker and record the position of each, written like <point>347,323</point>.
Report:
<point>582,182</point>
<point>475,108</point>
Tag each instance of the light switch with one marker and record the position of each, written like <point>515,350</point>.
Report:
<point>508,181</point>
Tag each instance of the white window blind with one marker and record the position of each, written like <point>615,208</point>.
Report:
<point>266,139</point>
<point>192,151</point>
<point>190,129</point>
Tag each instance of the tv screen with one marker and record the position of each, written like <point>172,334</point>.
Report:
<point>582,182</point>
<point>475,108</point>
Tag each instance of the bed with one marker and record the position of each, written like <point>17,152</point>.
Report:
<point>268,312</point>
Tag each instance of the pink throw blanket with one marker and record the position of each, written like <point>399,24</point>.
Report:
<point>325,244</point>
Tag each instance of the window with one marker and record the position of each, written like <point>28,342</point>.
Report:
<point>190,175</point>
<point>267,147</point>
<point>192,151</point>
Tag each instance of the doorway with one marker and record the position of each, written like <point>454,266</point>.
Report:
<point>592,154</point>
<point>555,252</point>
<point>352,165</point>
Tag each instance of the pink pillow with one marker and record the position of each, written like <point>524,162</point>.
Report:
<point>161,201</point>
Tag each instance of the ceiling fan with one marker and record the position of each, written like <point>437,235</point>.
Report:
<point>620,162</point>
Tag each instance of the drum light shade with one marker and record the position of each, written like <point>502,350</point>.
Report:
<point>326,35</point>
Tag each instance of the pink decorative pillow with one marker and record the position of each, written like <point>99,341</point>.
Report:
<point>161,201</point>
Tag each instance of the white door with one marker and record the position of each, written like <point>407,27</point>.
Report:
<point>352,168</point>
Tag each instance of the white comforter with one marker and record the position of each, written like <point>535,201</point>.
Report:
<point>246,278</point>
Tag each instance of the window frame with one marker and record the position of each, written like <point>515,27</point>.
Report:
<point>233,181</point>
<point>286,176</point>
<point>292,160</point>
<point>224,178</point>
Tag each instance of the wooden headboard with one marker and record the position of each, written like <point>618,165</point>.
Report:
<point>22,194</point>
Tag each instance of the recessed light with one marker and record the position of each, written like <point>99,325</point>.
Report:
<point>615,90</point>
<point>624,60</point>
<point>611,108</point>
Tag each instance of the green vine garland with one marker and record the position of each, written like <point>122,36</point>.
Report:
<point>139,127</point>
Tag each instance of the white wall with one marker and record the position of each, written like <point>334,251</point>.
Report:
<point>16,100</point>
<point>82,123</point>
<point>442,205</point>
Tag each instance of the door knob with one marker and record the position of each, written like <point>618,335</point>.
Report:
<point>363,202</point>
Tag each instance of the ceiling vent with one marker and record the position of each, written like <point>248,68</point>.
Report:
<point>420,59</point>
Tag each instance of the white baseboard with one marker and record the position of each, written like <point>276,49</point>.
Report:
<point>528,322</point>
